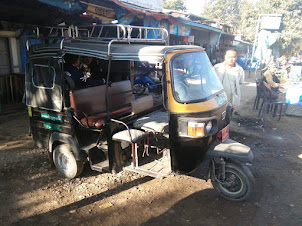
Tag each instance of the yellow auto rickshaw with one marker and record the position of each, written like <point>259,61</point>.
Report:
<point>181,129</point>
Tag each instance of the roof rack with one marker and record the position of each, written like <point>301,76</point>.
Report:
<point>120,32</point>
<point>108,33</point>
<point>57,32</point>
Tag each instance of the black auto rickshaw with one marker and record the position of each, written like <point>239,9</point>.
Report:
<point>181,130</point>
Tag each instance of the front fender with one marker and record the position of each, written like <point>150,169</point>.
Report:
<point>232,150</point>
<point>60,138</point>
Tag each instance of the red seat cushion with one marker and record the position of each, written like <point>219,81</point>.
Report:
<point>99,120</point>
<point>96,121</point>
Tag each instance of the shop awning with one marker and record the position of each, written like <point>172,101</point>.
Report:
<point>202,26</point>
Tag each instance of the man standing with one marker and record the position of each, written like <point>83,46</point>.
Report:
<point>230,75</point>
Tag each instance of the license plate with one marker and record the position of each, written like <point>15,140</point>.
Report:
<point>225,133</point>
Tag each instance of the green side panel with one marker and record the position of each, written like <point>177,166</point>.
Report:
<point>55,118</point>
<point>51,126</point>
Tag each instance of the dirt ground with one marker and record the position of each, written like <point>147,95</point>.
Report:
<point>32,193</point>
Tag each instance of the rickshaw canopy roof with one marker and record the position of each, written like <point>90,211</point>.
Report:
<point>135,52</point>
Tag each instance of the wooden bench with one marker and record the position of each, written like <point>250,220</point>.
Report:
<point>89,104</point>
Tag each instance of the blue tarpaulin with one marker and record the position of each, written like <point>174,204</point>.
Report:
<point>151,22</point>
<point>294,95</point>
<point>123,16</point>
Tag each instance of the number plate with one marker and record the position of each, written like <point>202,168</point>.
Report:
<point>225,133</point>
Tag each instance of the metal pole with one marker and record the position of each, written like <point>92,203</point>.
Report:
<point>254,46</point>
<point>12,88</point>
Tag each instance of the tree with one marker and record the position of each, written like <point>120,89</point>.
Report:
<point>225,11</point>
<point>243,16</point>
<point>248,20</point>
<point>175,5</point>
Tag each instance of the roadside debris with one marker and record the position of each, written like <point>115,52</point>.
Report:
<point>106,205</point>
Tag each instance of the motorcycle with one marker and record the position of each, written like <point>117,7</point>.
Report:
<point>144,80</point>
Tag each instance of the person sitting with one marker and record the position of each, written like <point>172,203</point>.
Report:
<point>92,69</point>
<point>78,76</point>
<point>269,76</point>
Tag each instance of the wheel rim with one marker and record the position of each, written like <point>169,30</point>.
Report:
<point>233,183</point>
<point>64,162</point>
<point>138,88</point>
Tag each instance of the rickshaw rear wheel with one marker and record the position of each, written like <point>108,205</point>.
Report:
<point>237,185</point>
<point>65,162</point>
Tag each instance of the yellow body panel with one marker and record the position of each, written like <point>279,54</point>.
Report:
<point>29,111</point>
<point>176,107</point>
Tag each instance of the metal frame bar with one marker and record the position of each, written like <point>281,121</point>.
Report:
<point>123,34</point>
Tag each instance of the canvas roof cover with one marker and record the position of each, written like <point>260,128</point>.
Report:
<point>135,52</point>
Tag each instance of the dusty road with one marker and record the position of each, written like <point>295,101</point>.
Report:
<point>32,193</point>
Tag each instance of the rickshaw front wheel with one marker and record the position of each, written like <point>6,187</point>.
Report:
<point>237,184</point>
<point>65,162</point>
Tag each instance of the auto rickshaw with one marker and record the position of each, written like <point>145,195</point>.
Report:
<point>181,130</point>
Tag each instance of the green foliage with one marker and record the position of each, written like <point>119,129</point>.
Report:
<point>248,20</point>
<point>243,16</point>
<point>175,5</point>
<point>225,11</point>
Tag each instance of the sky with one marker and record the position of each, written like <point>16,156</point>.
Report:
<point>194,6</point>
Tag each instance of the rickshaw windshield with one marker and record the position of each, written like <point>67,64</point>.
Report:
<point>193,77</point>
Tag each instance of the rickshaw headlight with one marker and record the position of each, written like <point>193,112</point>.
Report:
<point>196,129</point>
<point>209,127</point>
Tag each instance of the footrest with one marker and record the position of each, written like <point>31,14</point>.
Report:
<point>101,167</point>
<point>158,168</point>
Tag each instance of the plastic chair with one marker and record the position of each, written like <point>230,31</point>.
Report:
<point>270,104</point>
<point>259,95</point>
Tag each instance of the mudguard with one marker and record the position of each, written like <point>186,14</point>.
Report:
<point>232,150</point>
<point>66,139</point>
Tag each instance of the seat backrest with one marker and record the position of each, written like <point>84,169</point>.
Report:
<point>119,95</point>
<point>260,87</point>
<point>92,100</point>
<point>257,86</point>
<point>142,104</point>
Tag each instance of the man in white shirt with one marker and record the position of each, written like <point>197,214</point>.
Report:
<point>230,75</point>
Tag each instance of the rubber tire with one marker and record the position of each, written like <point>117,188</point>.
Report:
<point>140,89</point>
<point>73,168</point>
<point>246,183</point>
